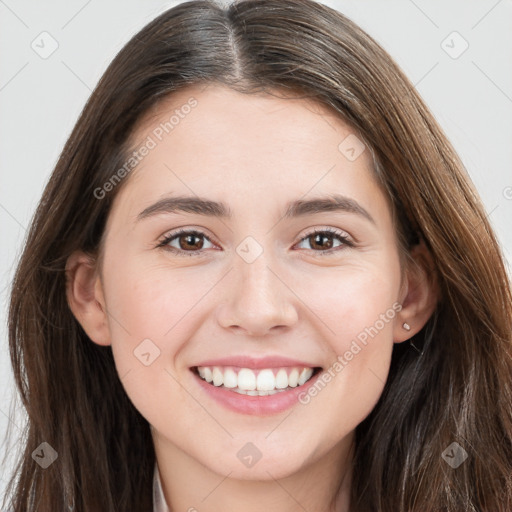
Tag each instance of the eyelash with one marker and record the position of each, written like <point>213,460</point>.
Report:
<point>340,235</point>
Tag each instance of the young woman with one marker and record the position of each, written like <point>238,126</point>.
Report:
<point>260,278</point>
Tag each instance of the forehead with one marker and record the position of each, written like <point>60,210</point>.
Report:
<point>277,106</point>
<point>246,148</point>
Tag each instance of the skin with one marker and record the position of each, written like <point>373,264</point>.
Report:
<point>254,153</point>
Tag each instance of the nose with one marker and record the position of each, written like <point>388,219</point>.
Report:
<point>258,299</point>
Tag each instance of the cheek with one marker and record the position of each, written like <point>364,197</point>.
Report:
<point>156,312</point>
<point>357,302</point>
<point>364,312</point>
<point>150,301</point>
<point>152,312</point>
<point>359,308</point>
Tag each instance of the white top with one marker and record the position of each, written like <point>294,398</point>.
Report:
<point>160,505</point>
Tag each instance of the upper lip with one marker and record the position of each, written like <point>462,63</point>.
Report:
<point>257,362</point>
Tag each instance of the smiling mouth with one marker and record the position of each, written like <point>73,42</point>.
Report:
<point>261,382</point>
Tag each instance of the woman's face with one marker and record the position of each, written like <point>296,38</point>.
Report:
<point>271,280</point>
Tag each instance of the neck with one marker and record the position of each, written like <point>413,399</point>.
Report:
<point>322,485</point>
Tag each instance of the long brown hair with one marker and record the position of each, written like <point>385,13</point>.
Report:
<point>454,385</point>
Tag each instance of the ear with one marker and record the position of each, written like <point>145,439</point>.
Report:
<point>84,292</point>
<point>419,294</point>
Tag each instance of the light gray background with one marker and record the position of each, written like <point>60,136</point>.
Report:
<point>40,99</point>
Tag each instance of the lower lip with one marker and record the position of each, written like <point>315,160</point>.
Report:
<point>255,405</point>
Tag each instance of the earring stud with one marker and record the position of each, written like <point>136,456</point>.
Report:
<point>406,326</point>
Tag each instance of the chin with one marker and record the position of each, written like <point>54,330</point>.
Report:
<point>247,466</point>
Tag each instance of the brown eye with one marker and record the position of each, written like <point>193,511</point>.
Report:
<point>321,241</point>
<point>326,241</point>
<point>185,242</point>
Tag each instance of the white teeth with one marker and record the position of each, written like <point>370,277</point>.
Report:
<point>256,383</point>
<point>255,392</point>
<point>305,375</point>
<point>246,379</point>
<point>293,378</point>
<point>265,381</point>
<point>218,377</point>
<point>230,379</point>
<point>208,377</point>
<point>281,379</point>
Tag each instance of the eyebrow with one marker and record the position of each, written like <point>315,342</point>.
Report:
<point>300,207</point>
